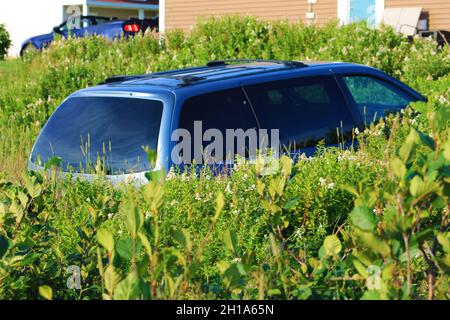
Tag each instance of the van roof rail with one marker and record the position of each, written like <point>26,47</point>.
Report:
<point>185,79</point>
<point>287,63</point>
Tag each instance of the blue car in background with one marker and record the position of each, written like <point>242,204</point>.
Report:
<point>111,28</point>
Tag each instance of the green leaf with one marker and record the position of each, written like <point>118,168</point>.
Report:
<point>363,218</point>
<point>230,241</point>
<point>303,292</point>
<point>409,146</point>
<point>4,245</point>
<point>369,240</point>
<point>128,288</point>
<point>134,219</point>
<point>220,202</point>
<point>419,106</point>
<point>52,162</point>
<point>124,248</point>
<point>398,167</point>
<point>158,176</point>
<point>444,240</point>
<point>447,149</point>
<point>273,292</point>
<point>362,270</point>
<point>105,239</point>
<point>291,203</point>
<point>427,140</point>
<point>183,237</point>
<point>110,278</point>
<point>415,185</point>
<point>371,295</point>
<point>332,245</point>
<point>46,292</point>
<point>146,244</point>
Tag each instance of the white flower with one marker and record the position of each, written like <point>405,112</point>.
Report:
<point>298,233</point>
<point>442,99</point>
<point>322,181</point>
<point>228,188</point>
<point>147,215</point>
<point>356,131</point>
<point>171,174</point>
<point>331,185</point>
<point>173,203</point>
<point>110,215</point>
<point>197,196</point>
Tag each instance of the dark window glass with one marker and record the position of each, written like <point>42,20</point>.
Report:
<point>222,110</point>
<point>376,98</point>
<point>114,130</point>
<point>305,110</point>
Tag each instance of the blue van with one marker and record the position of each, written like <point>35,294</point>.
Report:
<point>118,121</point>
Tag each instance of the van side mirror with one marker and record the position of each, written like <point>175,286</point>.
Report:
<point>57,29</point>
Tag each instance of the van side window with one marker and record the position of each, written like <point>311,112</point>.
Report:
<point>304,110</point>
<point>376,98</point>
<point>227,109</point>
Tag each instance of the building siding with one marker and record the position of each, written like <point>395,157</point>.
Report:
<point>183,14</point>
<point>438,10</point>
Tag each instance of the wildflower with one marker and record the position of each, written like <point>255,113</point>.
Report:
<point>298,233</point>
<point>331,185</point>
<point>110,215</point>
<point>322,181</point>
<point>228,188</point>
<point>147,215</point>
<point>197,196</point>
<point>356,131</point>
<point>171,174</point>
<point>173,203</point>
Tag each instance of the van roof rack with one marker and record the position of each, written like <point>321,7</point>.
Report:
<point>185,80</point>
<point>287,63</point>
<point>203,72</point>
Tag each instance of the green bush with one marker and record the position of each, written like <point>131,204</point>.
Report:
<point>371,223</point>
<point>5,42</point>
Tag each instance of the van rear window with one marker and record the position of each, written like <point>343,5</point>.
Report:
<point>86,130</point>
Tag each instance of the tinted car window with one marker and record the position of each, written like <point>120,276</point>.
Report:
<point>305,110</point>
<point>376,98</point>
<point>114,130</point>
<point>222,110</point>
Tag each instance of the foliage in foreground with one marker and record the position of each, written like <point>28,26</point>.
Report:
<point>371,223</point>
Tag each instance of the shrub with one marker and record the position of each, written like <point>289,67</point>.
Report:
<point>5,42</point>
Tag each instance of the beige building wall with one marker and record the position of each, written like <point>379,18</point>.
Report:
<point>438,10</point>
<point>183,14</point>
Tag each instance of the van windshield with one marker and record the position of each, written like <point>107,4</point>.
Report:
<point>86,132</point>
